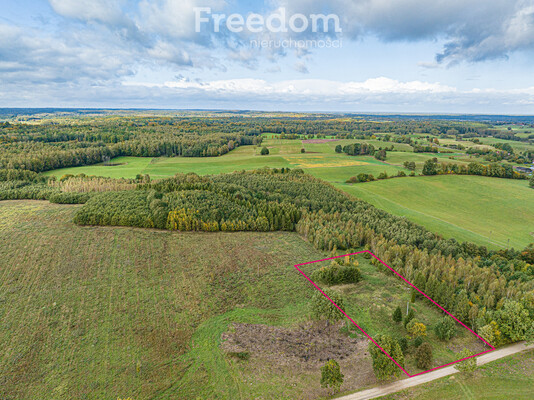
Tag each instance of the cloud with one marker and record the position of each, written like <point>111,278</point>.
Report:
<point>301,67</point>
<point>474,30</point>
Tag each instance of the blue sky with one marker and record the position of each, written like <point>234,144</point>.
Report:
<point>400,56</point>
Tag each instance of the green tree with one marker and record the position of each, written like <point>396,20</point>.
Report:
<point>408,317</point>
<point>339,149</point>
<point>397,315</point>
<point>430,167</point>
<point>323,309</point>
<point>383,366</point>
<point>381,155</point>
<point>531,181</point>
<point>331,376</point>
<point>264,151</point>
<point>445,328</point>
<point>462,306</point>
<point>469,365</point>
<point>513,320</point>
<point>423,356</point>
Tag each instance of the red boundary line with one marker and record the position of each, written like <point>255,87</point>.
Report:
<point>420,291</point>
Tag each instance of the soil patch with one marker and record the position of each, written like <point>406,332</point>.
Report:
<point>310,343</point>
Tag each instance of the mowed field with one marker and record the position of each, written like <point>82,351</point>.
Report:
<point>104,312</point>
<point>487,211</point>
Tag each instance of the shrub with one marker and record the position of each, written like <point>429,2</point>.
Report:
<point>418,341</point>
<point>468,365</point>
<point>383,366</point>
<point>403,343</point>
<point>336,274</point>
<point>397,315</point>
<point>416,328</point>
<point>331,376</point>
<point>409,317</point>
<point>264,151</point>
<point>445,329</point>
<point>324,309</point>
<point>423,356</point>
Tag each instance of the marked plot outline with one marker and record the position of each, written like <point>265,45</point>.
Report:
<point>412,285</point>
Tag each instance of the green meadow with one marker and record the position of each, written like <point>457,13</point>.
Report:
<point>488,211</point>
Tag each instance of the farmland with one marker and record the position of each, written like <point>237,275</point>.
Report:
<point>492,212</point>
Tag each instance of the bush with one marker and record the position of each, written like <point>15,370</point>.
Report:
<point>324,309</point>
<point>240,355</point>
<point>264,151</point>
<point>403,343</point>
<point>69,198</point>
<point>331,376</point>
<point>468,365</point>
<point>418,341</point>
<point>423,356</point>
<point>445,329</point>
<point>397,315</point>
<point>416,328</point>
<point>336,274</point>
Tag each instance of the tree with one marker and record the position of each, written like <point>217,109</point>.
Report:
<point>331,376</point>
<point>264,151</point>
<point>380,155</point>
<point>383,366</point>
<point>339,149</point>
<point>303,150</point>
<point>462,306</point>
<point>397,314</point>
<point>323,309</point>
<point>531,181</point>
<point>469,365</point>
<point>408,317</point>
<point>430,167</point>
<point>416,328</point>
<point>490,333</point>
<point>423,356</point>
<point>513,320</point>
<point>445,328</point>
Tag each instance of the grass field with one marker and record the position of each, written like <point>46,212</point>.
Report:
<point>107,312</point>
<point>489,211</point>
<point>101,313</point>
<point>509,378</point>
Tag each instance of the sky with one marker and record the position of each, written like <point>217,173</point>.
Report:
<point>432,56</point>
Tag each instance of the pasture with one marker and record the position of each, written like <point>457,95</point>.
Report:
<point>487,211</point>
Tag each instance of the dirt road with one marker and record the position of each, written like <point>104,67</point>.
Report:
<point>440,373</point>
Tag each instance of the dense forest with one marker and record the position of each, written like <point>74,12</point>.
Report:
<point>73,142</point>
